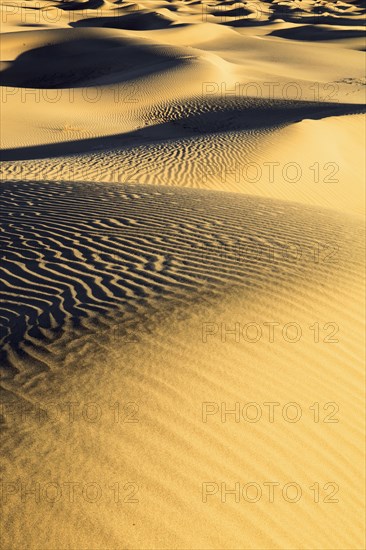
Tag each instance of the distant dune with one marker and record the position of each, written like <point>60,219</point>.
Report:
<point>182,265</point>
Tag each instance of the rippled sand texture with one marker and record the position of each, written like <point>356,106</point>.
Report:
<point>182,198</point>
<point>186,93</point>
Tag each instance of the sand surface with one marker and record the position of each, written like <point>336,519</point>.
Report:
<point>182,274</point>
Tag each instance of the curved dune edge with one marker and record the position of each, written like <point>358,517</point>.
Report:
<point>163,366</point>
<point>74,250</point>
<point>288,161</point>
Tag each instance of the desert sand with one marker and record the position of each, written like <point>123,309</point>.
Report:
<point>182,274</point>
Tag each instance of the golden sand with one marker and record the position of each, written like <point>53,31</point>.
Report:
<point>182,298</point>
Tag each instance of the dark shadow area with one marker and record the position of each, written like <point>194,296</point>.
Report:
<point>138,21</point>
<point>81,60</point>
<point>77,6</point>
<point>220,115</point>
<point>317,33</point>
<point>94,250</point>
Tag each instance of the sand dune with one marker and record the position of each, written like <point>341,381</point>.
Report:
<point>95,279</point>
<point>48,66</point>
<point>318,32</point>
<point>182,266</point>
<point>138,246</point>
